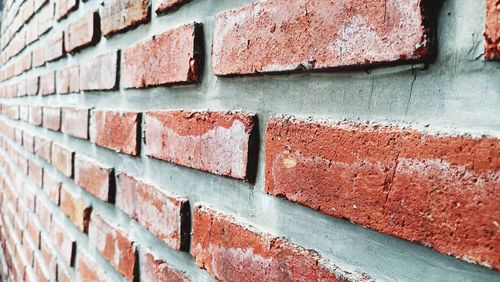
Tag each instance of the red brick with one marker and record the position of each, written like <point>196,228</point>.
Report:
<point>35,115</point>
<point>31,32</point>
<point>28,142</point>
<point>52,118</point>
<point>280,35</point>
<point>88,269</point>
<point>55,47</point>
<point>43,148</point>
<point>117,131</point>
<point>41,270</point>
<point>231,251</point>
<point>177,60</point>
<point>64,7</point>
<point>492,30</point>
<point>168,5</point>
<point>75,208</point>
<point>21,88</point>
<point>32,84</point>
<point>43,214</point>
<point>68,80</point>
<point>27,10</point>
<point>35,172</point>
<point>10,111</point>
<point>63,241</point>
<point>45,18</point>
<point>18,136</point>
<point>121,15</point>
<point>34,233</point>
<point>62,159</point>
<point>47,83</point>
<point>217,142</point>
<point>163,215</point>
<point>48,255</point>
<point>23,112</point>
<point>63,275</point>
<point>94,177</point>
<point>100,73</point>
<point>39,56</point>
<point>434,190</point>
<point>155,269</point>
<point>82,33</point>
<point>52,187</point>
<point>75,122</point>
<point>114,245</point>
<point>39,4</point>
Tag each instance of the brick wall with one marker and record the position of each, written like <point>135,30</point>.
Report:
<point>177,140</point>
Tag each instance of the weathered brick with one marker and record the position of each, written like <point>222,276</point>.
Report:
<point>163,215</point>
<point>155,269</point>
<point>76,208</point>
<point>48,254</point>
<point>18,136</point>
<point>100,73</point>
<point>169,5</point>
<point>114,245</point>
<point>492,30</point>
<point>55,47</point>
<point>177,60</point>
<point>231,251</point>
<point>68,80</point>
<point>31,32</point>
<point>52,187</point>
<point>35,115</point>
<point>10,111</point>
<point>32,84</point>
<point>38,56</point>
<point>24,112</point>
<point>88,269</point>
<point>217,142</point>
<point>117,131</point>
<point>52,118</point>
<point>64,242</point>
<point>94,177</point>
<point>45,18</point>
<point>435,190</point>
<point>43,214</point>
<point>62,159</point>
<point>21,89</point>
<point>28,142</point>
<point>121,15</point>
<point>35,172</point>
<point>43,148</point>
<point>280,35</point>
<point>40,269</point>
<point>82,33</point>
<point>75,122</point>
<point>34,233</point>
<point>64,7</point>
<point>47,83</point>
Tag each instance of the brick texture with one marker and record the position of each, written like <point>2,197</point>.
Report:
<point>75,122</point>
<point>63,241</point>
<point>55,47</point>
<point>178,59</point>
<point>68,80</point>
<point>121,15</point>
<point>94,177</point>
<point>217,142</point>
<point>435,190</point>
<point>83,32</point>
<point>100,73</point>
<point>75,208</point>
<point>492,30</point>
<point>117,131</point>
<point>62,159</point>
<point>280,35</point>
<point>52,118</point>
<point>155,269</point>
<point>64,7</point>
<point>168,5</point>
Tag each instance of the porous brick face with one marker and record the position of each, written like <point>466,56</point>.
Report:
<point>255,140</point>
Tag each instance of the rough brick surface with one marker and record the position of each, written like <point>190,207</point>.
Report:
<point>441,191</point>
<point>121,15</point>
<point>35,115</point>
<point>178,59</point>
<point>64,7</point>
<point>217,142</point>
<point>100,73</point>
<point>168,5</point>
<point>164,216</point>
<point>47,83</point>
<point>32,84</point>
<point>492,30</point>
<point>43,148</point>
<point>280,35</point>
<point>52,118</point>
<point>35,172</point>
<point>94,177</point>
<point>75,208</point>
<point>88,269</point>
<point>114,245</point>
<point>75,122</point>
<point>62,159</point>
<point>230,251</point>
<point>63,241</point>
<point>55,47</point>
<point>117,131</point>
<point>68,80</point>
<point>155,269</point>
<point>52,187</point>
<point>83,32</point>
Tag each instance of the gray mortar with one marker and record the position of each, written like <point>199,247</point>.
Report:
<point>458,93</point>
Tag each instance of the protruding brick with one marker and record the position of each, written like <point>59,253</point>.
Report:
<point>121,15</point>
<point>76,209</point>
<point>75,122</point>
<point>169,5</point>
<point>43,214</point>
<point>39,56</point>
<point>177,60</point>
<point>217,142</point>
<point>63,241</point>
<point>114,245</point>
<point>230,251</point>
<point>492,30</point>
<point>94,177</point>
<point>35,115</point>
<point>164,216</point>
<point>35,172</point>
<point>28,142</point>
<point>55,47</point>
<point>52,187</point>
<point>45,18</point>
<point>83,32</point>
<point>281,35</point>
<point>32,84</point>
<point>43,148</point>
<point>88,269</point>
<point>68,80</point>
<point>47,83</point>
<point>52,118</point>
<point>436,190</point>
<point>117,131</point>
<point>100,73</point>
<point>64,7</point>
<point>62,159</point>
<point>155,269</point>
